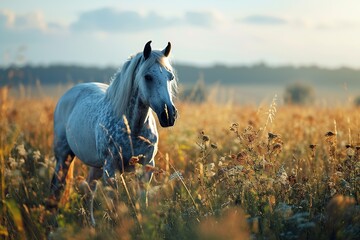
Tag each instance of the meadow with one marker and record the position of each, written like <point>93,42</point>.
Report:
<point>224,171</point>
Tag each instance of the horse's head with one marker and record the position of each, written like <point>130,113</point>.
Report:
<point>156,84</point>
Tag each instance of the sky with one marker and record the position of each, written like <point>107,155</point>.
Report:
<point>202,32</point>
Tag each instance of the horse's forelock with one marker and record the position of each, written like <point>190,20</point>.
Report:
<point>158,57</point>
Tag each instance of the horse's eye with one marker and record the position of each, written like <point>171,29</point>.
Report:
<point>172,77</point>
<point>148,77</point>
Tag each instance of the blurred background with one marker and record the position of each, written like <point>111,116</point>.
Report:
<point>305,52</point>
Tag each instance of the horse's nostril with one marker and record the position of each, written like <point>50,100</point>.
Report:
<point>175,113</point>
<point>164,115</point>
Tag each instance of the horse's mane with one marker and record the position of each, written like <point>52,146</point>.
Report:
<point>125,82</point>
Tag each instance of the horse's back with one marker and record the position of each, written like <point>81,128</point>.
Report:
<point>76,95</point>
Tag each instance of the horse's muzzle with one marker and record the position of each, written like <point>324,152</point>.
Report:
<point>168,116</point>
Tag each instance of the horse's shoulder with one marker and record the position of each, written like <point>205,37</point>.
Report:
<point>84,91</point>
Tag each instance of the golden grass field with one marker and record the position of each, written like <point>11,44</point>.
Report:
<point>224,171</point>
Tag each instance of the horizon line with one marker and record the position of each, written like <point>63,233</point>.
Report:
<point>187,64</point>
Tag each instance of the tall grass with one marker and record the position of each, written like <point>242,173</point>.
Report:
<point>223,172</point>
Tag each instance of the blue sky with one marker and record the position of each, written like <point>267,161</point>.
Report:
<point>203,32</point>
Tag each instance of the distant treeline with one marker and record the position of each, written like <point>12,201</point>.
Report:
<point>259,74</point>
<point>53,75</point>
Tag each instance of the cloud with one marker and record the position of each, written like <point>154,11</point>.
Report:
<point>29,28</point>
<point>264,20</point>
<point>203,19</point>
<point>34,20</point>
<point>25,22</point>
<point>106,20</point>
<point>5,18</point>
<point>110,20</point>
<point>299,22</point>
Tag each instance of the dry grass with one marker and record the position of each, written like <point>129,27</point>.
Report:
<point>223,172</point>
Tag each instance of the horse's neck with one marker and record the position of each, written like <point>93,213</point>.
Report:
<point>136,113</point>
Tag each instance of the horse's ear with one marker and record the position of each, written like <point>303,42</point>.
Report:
<point>167,50</point>
<point>147,50</point>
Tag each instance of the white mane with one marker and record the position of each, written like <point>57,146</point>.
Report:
<point>126,81</point>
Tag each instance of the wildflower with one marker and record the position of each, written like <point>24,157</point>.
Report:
<point>350,152</point>
<point>10,160</point>
<point>331,184</point>
<point>21,161</point>
<point>21,150</point>
<point>234,170</point>
<point>332,192</point>
<point>135,159</point>
<point>139,169</point>
<point>36,155</point>
<point>12,163</point>
<point>209,169</point>
<point>282,176</point>
<point>81,211</point>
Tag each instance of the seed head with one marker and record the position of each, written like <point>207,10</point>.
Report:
<point>135,159</point>
<point>312,146</point>
<point>241,156</point>
<point>277,146</point>
<point>205,138</point>
<point>213,145</point>
<point>272,136</point>
<point>292,179</point>
<point>330,134</point>
<point>234,127</point>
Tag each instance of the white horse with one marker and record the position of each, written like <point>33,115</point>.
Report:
<point>106,125</point>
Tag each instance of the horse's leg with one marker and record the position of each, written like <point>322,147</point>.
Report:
<point>64,156</point>
<point>94,175</point>
<point>110,180</point>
